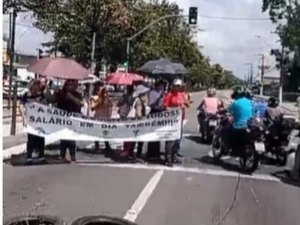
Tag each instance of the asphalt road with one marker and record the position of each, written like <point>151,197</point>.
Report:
<point>196,192</point>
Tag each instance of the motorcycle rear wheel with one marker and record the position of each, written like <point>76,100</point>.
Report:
<point>281,158</point>
<point>216,147</point>
<point>210,136</point>
<point>249,159</point>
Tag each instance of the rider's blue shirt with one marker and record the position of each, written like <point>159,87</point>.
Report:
<point>241,110</point>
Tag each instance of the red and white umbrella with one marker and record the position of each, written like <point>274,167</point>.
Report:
<point>62,68</point>
<point>122,78</point>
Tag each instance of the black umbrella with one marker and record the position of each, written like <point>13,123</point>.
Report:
<point>163,66</point>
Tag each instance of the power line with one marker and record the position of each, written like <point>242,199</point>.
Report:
<point>203,16</point>
<point>234,18</point>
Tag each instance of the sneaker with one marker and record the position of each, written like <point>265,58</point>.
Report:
<point>73,158</point>
<point>35,154</point>
<point>63,159</point>
<point>29,161</point>
<point>169,164</point>
<point>179,155</point>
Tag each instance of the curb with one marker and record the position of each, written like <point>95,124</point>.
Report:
<point>15,150</point>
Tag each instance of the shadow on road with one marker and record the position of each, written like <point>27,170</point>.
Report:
<point>84,155</point>
<point>284,176</point>
<point>225,165</point>
<point>21,160</point>
<point>197,139</point>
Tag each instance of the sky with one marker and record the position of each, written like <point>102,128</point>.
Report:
<point>231,43</point>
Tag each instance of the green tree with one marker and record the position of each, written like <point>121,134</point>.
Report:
<point>73,23</point>
<point>286,14</point>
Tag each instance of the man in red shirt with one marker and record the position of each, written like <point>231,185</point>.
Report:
<point>175,98</point>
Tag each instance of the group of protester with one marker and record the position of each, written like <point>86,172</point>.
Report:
<point>138,101</point>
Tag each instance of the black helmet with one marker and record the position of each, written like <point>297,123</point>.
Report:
<point>237,93</point>
<point>273,102</point>
<point>248,93</point>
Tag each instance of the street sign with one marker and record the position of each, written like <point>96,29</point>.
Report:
<point>193,15</point>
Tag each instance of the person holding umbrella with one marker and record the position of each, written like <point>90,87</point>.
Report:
<point>175,98</point>
<point>70,100</point>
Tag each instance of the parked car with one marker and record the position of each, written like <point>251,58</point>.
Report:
<point>22,88</point>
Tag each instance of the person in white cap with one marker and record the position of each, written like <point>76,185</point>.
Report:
<point>175,98</point>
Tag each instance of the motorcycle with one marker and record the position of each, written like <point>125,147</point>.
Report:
<point>247,147</point>
<point>278,137</point>
<point>207,125</point>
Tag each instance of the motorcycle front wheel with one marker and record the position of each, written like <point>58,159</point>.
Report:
<point>249,159</point>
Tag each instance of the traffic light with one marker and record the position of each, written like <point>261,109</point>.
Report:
<point>193,15</point>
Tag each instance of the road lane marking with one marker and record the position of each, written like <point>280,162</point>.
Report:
<point>195,170</point>
<point>141,201</point>
<point>254,195</point>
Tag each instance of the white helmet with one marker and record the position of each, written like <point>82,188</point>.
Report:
<point>178,82</point>
<point>211,92</point>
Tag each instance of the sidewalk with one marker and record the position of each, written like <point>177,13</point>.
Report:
<point>6,129</point>
<point>11,141</point>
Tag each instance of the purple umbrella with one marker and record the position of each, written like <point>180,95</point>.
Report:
<point>61,68</point>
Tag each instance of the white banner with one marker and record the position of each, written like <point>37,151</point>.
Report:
<point>55,124</point>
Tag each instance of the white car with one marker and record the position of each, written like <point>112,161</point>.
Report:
<point>22,88</point>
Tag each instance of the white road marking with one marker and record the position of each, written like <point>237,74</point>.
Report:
<point>254,195</point>
<point>141,201</point>
<point>212,172</point>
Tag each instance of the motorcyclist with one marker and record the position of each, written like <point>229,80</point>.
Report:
<point>242,111</point>
<point>273,115</point>
<point>210,105</point>
<point>273,110</point>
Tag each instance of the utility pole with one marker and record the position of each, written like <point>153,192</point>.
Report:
<point>38,57</point>
<point>251,73</point>
<point>13,13</point>
<point>93,50</point>
<point>127,53</point>
<point>281,74</point>
<point>12,25</point>
<point>92,69</point>
<point>262,74</point>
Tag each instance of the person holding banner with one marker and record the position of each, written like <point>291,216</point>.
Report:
<point>102,106</point>
<point>133,105</point>
<point>70,100</point>
<point>34,142</point>
<point>156,97</point>
<point>142,109</point>
<point>175,98</point>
